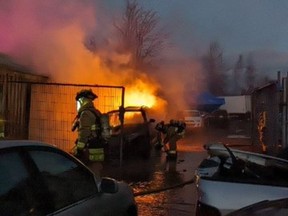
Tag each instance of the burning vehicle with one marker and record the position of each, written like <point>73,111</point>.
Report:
<point>230,179</point>
<point>138,132</point>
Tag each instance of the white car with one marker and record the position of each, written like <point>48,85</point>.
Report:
<point>193,118</point>
<point>277,207</point>
<point>230,179</point>
<point>39,179</point>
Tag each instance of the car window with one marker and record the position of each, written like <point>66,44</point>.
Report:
<point>133,118</point>
<point>67,182</point>
<point>130,117</point>
<point>114,120</point>
<point>12,171</point>
<point>15,186</point>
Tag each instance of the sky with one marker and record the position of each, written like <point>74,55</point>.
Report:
<point>247,27</point>
<point>240,27</point>
<point>49,36</point>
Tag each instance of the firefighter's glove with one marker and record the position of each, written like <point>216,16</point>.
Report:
<point>75,125</point>
<point>79,153</point>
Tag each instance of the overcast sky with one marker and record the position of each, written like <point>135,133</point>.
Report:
<point>240,26</point>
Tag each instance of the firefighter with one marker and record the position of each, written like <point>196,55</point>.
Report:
<point>87,123</point>
<point>175,131</point>
<point>161,128</point>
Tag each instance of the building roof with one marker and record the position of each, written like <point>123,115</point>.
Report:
<point>9,63</point>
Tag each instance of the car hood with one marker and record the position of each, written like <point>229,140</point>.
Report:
<point>216,149</point>
<point>229,164</point>
<point>277,207</point>
<point>244,177</point>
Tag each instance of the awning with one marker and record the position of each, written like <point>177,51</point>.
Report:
<point>205,101</point>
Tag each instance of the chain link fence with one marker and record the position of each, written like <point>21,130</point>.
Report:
<point>45,111</point>
<point>53,109</point>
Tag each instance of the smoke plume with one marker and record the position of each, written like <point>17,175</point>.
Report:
<point>72,41</point>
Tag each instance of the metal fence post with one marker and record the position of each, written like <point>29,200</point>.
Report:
<point>284,114</point>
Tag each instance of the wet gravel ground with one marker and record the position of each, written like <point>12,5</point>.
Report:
<point>168,183</point>
<point>163,181</point>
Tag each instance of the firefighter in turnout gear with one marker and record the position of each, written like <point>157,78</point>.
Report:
<point>175,131</point>
<point>87,123</point>
<point>161,128</point>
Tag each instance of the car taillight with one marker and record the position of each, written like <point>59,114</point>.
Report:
<point>206,210</point>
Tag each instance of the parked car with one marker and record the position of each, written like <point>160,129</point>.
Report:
<point>277,207</point>
<point>192,118</point>
<point>230,179</point>
<point>218,118</point>
<point>40,179</point>
<point>138,132</point>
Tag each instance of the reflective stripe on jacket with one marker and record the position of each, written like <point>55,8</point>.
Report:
<point>87,122</point>
<point>96,154</point>
<point>80,145</point>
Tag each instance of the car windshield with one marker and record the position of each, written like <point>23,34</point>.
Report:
<point>130,117</point>
<point>133,117</point>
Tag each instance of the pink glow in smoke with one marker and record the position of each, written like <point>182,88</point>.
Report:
<point>33,30</point>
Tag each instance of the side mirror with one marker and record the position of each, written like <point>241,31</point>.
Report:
<point>108,185</point>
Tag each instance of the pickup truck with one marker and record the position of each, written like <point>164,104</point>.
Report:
<point>137,132</point>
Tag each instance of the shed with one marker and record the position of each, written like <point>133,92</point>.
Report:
<point>265,117</point>
<point>15,98</point>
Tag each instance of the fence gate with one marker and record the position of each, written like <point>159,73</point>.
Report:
<point>53,109</point>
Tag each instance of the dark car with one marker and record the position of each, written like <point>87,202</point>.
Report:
<point>137,132</point>
<point>218,118</point>
<point>40,179</point>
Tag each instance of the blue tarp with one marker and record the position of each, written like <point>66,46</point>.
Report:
<point>206,101</point>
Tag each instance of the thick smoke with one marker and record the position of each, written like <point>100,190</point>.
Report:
<point>48,36</point>
<point>73,41</point>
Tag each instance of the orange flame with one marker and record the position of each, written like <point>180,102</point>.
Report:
<point>140,99</point>
<point>141,94</point>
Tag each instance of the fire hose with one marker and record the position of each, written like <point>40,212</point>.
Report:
<point>182,184</point>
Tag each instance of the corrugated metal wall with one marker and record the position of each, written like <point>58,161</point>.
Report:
<point>265,114</point>
<point>32,108</point>
<point>53,109</point>
<point>14,102</point>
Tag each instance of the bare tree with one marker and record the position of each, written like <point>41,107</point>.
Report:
<point>213,64</point>
<point>250,73</point>
<point>140,35</point>
<point>237,75</point>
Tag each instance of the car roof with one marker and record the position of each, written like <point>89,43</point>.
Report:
<point>18,143</point>
<point>191,110</point>
<point>130,108</point>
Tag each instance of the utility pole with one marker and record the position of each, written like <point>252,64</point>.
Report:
<point>284,113</point>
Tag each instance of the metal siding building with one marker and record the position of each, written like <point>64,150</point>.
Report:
<point>265,115</point>
<point>14,98</point>
<point>33,108</point>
